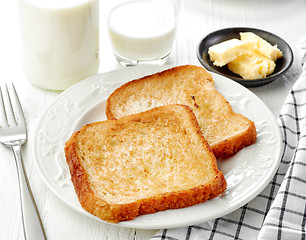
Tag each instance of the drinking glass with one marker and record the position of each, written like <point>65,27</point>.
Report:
<point>142,31</point>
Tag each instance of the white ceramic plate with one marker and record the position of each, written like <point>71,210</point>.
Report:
<point>247,173</point>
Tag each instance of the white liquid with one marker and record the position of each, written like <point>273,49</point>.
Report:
<point>142,30</point>
<point>60,41</point>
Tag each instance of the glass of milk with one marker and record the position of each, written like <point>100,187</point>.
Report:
<point>142,31</point>
<point>60,41</point>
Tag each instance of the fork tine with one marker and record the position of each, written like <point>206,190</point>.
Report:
<point>15,104</point>
<point>11,110</point>
<point>10,116</point>
<point>2,109</point>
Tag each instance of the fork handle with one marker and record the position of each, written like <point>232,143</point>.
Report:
<point>32,225</point>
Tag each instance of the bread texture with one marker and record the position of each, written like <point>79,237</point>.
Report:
<point>226,131</point>
<point>143,163</point>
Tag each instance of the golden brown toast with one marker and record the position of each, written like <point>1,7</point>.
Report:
<point>226,131</point>
<point>143,163</point>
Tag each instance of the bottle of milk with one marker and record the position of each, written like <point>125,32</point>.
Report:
<point>60,41</point>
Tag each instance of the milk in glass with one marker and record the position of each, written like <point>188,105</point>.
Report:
<point>142,30</point>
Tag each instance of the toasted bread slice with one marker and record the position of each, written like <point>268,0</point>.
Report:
<point>226,131</point>
<point>143,163</point>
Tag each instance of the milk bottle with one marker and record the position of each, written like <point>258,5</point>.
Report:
<point>60,41</point>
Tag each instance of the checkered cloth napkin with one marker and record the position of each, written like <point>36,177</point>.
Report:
<point>279,212</point>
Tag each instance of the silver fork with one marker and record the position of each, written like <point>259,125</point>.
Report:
<point>13,134</point>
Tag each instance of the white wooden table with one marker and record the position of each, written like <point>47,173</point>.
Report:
<point>286,19</point>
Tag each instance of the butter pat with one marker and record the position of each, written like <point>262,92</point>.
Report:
<point>227,51</point>
<point>251,57</point>
<point>252,67</point>
<point>262,46</point>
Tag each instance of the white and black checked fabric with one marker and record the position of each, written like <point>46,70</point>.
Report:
<point>279,212</point>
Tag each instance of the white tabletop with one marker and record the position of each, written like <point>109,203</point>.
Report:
<point>198,17</point>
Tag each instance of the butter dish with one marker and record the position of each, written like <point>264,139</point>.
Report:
<point>282,64</point>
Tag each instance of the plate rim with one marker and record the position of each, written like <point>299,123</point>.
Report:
<point>129,224</point>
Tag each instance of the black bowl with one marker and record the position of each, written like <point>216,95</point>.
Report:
<point>282,64</point>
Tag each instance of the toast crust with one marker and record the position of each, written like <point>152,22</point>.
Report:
<point>160,200</point>
<point>227,132</point>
